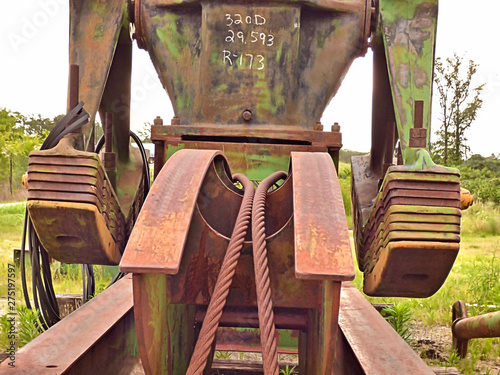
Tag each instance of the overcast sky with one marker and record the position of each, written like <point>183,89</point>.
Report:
<point>34,70</point>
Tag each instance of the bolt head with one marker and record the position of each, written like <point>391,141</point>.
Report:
<point>158,121</point>
<point>175,121</point>
<point>246,115</point>
<point>335,127</point>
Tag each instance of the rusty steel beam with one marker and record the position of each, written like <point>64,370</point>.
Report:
<point>322,246</point>
<point>98,338</point>
<point>371,341</point>
<point>465,329</point>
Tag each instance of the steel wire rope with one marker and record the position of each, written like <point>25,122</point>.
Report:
<point>263,286</point>
<point>217,302</point>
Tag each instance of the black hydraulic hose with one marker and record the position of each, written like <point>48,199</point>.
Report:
<point>100,144</point>
<point>145,176</point>
<point>145,163</point>
<point>88,281</point>
<point>61,125</point>
<point>23,261</point>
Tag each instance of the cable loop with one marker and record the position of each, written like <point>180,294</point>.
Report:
<point>221,290</point>
<point>262,281</point>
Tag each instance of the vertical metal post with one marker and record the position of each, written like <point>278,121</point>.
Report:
<point>74,86</point>
<point>73,98</point>
<point>389,146</point>
<point>109,157</point>
<point>108,132</point>
<point>418,135</point>
<point>160,147</point>
<point>383,118</point>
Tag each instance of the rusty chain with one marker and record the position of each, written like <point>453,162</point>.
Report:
<point>264,302</point>
<point>221,290</point>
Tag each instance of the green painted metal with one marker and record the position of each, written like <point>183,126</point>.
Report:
<point>283,62</point>
<point>255,166</point>
<point>408,31</point>
<point>487,325</point>
<point>94,29</point>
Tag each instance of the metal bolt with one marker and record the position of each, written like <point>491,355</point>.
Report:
<point>318,126</point>
<point>335,127</point>
<point>175,121</point>
<point>158,121</point>
<point>246,115</point>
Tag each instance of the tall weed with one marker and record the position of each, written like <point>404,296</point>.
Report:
<point>482,219</point>
<point>399,317</point>
<point>483,277</point>
<point>27,328</point>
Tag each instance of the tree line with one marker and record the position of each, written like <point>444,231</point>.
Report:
<point>19,135</point>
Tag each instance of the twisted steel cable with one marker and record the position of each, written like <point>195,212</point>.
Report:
<point>221,290</point>
<point>264,302</point>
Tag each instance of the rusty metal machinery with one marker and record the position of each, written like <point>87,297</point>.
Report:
<point>249,82</point>
<point>464,328</point>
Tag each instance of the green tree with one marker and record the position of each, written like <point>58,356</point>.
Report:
<point>144,134</point>
<point>459,104</point>
<point>480,162</point>
<point>15,146</point>
<point>39,126</point>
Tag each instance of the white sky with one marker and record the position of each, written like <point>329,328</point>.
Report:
<point>34,70</point>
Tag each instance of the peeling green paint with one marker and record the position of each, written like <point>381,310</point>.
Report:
<point>171,37</point>
<point>408,30</point>
<point>254,166</point>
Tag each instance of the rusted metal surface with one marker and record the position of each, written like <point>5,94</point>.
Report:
<point>255,152</point>
<point>322,245</point>
<point>67,188</point>
<point>94,30</point>
<point>67,240</point>
<point>407,235</point>
<point>157,245</point>
<point>376,346</point>
<point>282,62</point>
<point>406,37</point>
<point>99,338</point>
<point>83,344</point>
<point>403,48</point>
<point>411,268</point>
<point>250,81</point>
<point>464,328</point>
<point>161,300</point>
